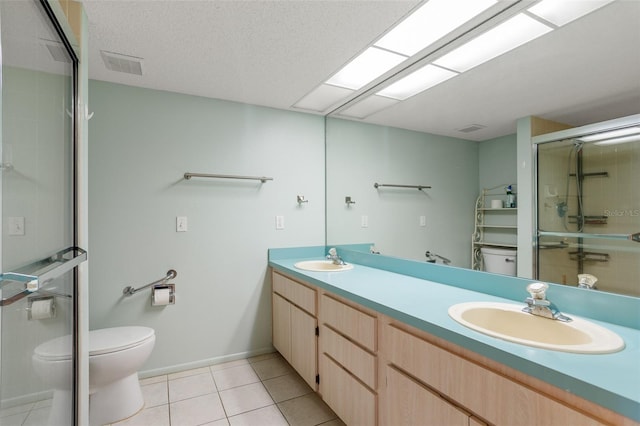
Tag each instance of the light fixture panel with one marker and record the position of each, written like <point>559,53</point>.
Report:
<point>562,12</point>
<point>416,82</point>
<point>510,34</point>
<point>365,68</point>
<point>429,23</point>
<point>322,97</point>
<point>368,106</point>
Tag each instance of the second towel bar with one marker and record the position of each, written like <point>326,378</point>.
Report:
<point>262,179</point>
<point>129,290</point>
<point>418,187</point>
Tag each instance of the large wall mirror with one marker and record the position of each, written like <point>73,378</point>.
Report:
<point>572,76</point>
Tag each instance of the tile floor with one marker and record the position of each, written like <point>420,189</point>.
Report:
<point>260,391</point>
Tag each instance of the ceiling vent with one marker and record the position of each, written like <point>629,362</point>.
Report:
<point>57,50</point>
<point>122,63</point>
<point>471,128</point>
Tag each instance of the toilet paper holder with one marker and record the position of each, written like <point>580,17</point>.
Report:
<point>41,301</point>
<point>160,289</point>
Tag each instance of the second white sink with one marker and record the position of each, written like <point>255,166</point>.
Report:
<point>507,321</point>
<point>322,266</point>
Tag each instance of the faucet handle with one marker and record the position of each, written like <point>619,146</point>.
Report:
<point>537,290</point>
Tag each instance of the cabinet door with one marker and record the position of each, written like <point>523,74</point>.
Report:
<point>304,347</point>
<point>282,326</point>
<point>409,403</point>
<point>353,402</point>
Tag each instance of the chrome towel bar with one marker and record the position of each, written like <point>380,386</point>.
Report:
<point>262,179</point>
<point>129,290</point>
<point>418,187</point>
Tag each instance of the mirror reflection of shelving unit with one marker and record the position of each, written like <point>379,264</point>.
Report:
<point>493,226</point>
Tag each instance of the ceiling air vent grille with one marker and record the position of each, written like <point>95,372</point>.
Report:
<point>122,63</point>
<point>471,128</point>
<point>57,50</point>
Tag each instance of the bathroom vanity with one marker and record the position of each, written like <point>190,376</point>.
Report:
<point>379,348</point>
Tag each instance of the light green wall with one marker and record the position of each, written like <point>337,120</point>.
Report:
<point>497,162</point>
<point>358,155</point>
<point>141,143</point>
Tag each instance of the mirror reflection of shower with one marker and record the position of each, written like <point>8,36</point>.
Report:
<point>588,209</point>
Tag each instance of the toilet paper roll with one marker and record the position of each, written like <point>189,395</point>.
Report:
<point>161,296</point>
<point>42,309</point>
<point>496,204</point>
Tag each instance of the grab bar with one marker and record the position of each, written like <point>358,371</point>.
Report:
<point>262,179</point>
<point>35,282</point>
<point>129,290</point>
<point>631,237</point>
<point>418,187</point>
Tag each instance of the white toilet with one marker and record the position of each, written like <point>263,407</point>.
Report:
<point>115,355</point>
<point>499,260</point>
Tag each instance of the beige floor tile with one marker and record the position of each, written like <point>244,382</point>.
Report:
<point>36,417</point>
<point>154,379</point>
<point>229,364</point>
<point>245,398</point>
<point>267,416</point>
<point>234,377</point>
<point>156,416</point>
<point>263,357</point>
<point>155,394</point>
<point>307,410</point>
<point>186,373</point>
<point>334,422</point>
<point>197,411</point>
<point>14,419</point>
<point>221,422</point>
<point>191,386</point>
<point>272,367</point>
<point>286,387</point>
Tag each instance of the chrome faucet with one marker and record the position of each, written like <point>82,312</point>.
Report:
<point>333,255</point>
<point>537,304</point>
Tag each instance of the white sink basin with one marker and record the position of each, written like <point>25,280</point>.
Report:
<point>322,266</point>
<point>507,321</point>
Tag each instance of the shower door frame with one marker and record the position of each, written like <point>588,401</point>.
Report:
<point>590,129</point>
<point>48,11</point>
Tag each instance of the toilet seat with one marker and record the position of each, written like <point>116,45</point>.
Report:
<point>102,341</point>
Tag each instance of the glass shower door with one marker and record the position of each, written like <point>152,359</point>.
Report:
<point>589,211</point>
<point>38,256</point>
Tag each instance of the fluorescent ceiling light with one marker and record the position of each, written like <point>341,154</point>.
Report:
<point>366,67</point>
<point>507,36</point>
<point>416,82</point>
<point>611,134</point>
<point>562,12</point>
<point>368,106</point>
<point>430,22</point>
<point>323,97</point>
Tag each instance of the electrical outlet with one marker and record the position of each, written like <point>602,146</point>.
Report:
<point>279,222</point>
<point>182,224</point>
<point>423,221</point>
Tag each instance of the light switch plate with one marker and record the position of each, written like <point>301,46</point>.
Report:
<point>182,224</point>
<point>279,222</point>
<point>364,221</point>
<point>16,225</point>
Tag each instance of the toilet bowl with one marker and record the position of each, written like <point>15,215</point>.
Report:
<point>115,355</point>
<point>499,261</point>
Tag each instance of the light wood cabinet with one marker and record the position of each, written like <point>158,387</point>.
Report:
<point>348,361</point>
<point>353,402</point>
<point>375,370</point>
<point>410,403</point>
<point>294,328</point>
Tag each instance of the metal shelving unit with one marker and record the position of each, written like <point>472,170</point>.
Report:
<point>482,233</point>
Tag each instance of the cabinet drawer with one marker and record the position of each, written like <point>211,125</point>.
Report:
<point>452,375</point>
<point>297,293</point>
<point>355,359</point>
<point>350,399</point>
<point>409,403</point>
<point>349,321</point>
